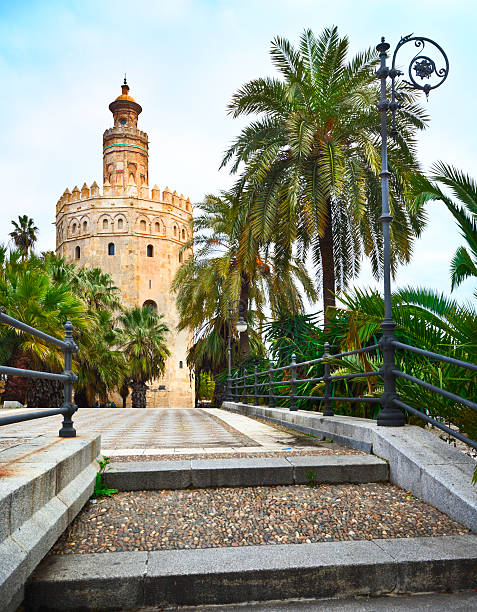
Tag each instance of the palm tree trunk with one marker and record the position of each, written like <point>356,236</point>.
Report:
<point>138,397</point>
<point>81,399</point>
<point>244,297</point>
<point>16,387</point>
<point>328,263</point>
<point>44,393</point>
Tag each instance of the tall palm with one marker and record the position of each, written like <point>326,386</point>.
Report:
<point>464,210</point>
<point>142,338</point>
<point>25,234</point>
<point>312,159</point>
<point>223,270</point>
<point>100,365</point>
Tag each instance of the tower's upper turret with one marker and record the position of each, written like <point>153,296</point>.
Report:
<point>125,109</point>
<point>125,148</point>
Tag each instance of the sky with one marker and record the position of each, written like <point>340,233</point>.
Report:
<point>62,63</point>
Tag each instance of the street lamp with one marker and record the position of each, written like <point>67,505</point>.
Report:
<point>432,73</point>
<point>240,326</point>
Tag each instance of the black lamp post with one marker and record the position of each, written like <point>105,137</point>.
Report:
<point>422,67</point>
<point>240,326</point>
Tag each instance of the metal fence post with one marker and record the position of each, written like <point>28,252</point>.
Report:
<point>293,405</point>
<point>327,411</point>
<point>234,388</point>
<point>244,398</point>
<point>255,386</point>
<point>228,394</point>
<point>67,430</point>
<point>271,397</point>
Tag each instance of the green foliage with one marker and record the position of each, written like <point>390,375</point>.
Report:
<point>205,386</point>
<point>310,159</point>
<point>464,188</point>
<point>24,234</point>
<point>229,265</point>
<point>427,320</point>
<point>141,336</point>
<point>100,490</point>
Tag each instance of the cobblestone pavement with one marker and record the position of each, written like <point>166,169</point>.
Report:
<point>165,428</point>
<point>210,518</point>
<point>167,431</point>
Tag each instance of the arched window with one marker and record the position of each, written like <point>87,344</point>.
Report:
<point>150,250</point>
<point>73,229</point>
<point>150,304</point>
<point>120,224</point>
<point>157,227</point>
<point>181,364</point>
<point>85,226</point>
<point>111,248</point>
<point>77,252</point>
<point>181,257</point>
<point>183,234</point>
<point>105,224</point>
<point>175,230</point>
<point>143,226</point>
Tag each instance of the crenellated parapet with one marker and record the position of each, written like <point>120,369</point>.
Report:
<point>166,197</point>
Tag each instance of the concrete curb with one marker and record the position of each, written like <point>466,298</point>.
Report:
<point>248,472</point>
<point>45,483</point>
<point>253,573</point>
<point>418,461</point>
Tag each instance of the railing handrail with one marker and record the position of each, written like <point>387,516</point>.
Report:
<point>68,377</point>
<point>445,358</point>
<point>328,378</point>
<point>4,318</point>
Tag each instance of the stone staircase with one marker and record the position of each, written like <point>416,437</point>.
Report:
<point>45,481</point>
<point>221,576</point>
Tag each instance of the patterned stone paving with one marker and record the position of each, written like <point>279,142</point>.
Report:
<point>165,428</point>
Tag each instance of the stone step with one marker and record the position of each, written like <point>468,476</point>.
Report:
<point>246,472</point>
<point>215,576</point>
<point>45,482</point>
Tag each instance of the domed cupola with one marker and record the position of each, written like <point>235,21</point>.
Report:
<point>125,109</point>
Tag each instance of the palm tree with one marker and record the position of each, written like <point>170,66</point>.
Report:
<point>312,159</point>
<point>28,293</point>
<point>229,264</point>
<point>100,365</point>
<point>24,235</point>
<point>142,338</point>
<point>464,188</point>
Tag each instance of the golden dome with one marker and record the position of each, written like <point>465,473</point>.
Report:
<point>125,92</point>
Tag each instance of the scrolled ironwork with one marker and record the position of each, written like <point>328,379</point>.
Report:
<point>423,66</point>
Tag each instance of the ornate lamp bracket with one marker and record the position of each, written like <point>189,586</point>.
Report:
<point>430,65</point>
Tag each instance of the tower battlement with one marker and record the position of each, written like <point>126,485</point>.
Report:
<point>136,234</point>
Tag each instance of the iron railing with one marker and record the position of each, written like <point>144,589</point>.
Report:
<point>265,382</point>
<point>67,377</point>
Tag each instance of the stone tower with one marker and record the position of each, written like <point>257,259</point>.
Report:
<point>134,235</point>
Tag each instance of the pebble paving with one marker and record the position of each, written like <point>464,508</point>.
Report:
<point>209,518</point>
<point>333,450</point>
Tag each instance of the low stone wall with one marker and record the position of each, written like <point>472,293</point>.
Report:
<point>45,481</point>
<point>418,461</point>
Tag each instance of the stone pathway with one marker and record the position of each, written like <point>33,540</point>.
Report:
<point>166,432</point>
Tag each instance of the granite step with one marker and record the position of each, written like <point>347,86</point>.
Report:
<point>219,576</point>
<point>45,481</point>
<point>246,472</point>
